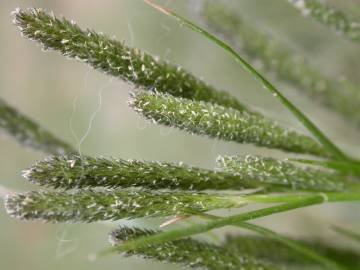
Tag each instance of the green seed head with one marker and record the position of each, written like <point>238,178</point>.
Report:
<point>115,58</point>
<point>89,205</point>
<point>282,172</point>
<point>187,252</point>
<point>215,121</point>
<point>29,133</point>
<point>75,171</point>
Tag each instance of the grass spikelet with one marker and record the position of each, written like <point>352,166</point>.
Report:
<point>73,171</point>
<point>90,205</point>
<point>259,247</point>
<point>115,58</point>
<point>187,252</point>
<point>283,172</point>
<point>221,123</point>
<point>287,65</point>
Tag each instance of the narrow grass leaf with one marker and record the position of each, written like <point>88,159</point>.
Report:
<point>273,58</point>
<point>201,228</point>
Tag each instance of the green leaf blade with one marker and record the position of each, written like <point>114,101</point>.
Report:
<point>276,59</point>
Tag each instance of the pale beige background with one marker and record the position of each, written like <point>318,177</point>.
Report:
<point>54,90</point>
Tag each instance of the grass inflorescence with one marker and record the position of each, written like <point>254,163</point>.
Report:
<point>89,189</point>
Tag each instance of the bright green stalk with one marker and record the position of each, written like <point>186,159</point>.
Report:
<point>284,63</point>
<point>333,18</point>
<point>282,172</point>
<point>29,133</point>
<point>74,171</point>
<point>273,251</point>
<point>115,58</point>
<point>294,203</point>
<point>186,252</point>
<point>336,152</point>
<point>231,220</point>
<point>89,206</point>
<point>294,197</point>
<point>218,122</point>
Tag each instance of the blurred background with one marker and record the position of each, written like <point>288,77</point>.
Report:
<point>56,92</point>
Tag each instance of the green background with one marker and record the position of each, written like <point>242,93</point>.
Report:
<point>55,92</point>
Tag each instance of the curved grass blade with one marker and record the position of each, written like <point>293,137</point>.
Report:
<point>201,228</point>
<point>29,133</point>
<point>292,202</point>
<point>286,64</point>
<point>336,152</point>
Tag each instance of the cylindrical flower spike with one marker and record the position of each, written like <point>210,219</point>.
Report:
<point>115,58</point>
<point>29,133</point>
<point>281,172</point>
<point>89,205</point>
<point>234,173</point>
<point>74,171</point>
<point>267,54</point>
<point>188,252</point>
<point>222,123</point>
<point>336,19</point>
